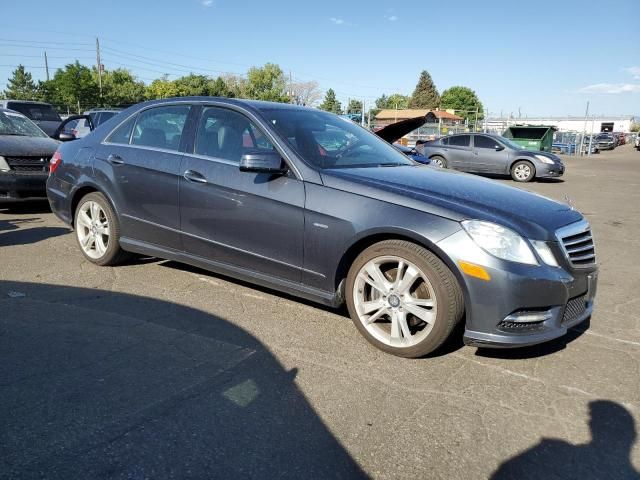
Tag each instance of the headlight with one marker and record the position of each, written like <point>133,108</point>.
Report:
<point>499,241</point>
<point>4,166</point>
<point>544,159</point>
<point>545,252</point>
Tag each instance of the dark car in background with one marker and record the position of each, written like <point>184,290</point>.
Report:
<point>305,202</point>
<point>492,154</point>
<point>25,152</point>
<point>42,114</point>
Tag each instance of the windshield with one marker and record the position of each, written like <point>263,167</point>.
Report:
<point>12,123</point>
<point>328,141</point>
<point>511,144</point>
<point>35,111</point>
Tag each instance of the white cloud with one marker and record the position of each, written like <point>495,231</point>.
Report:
<point>392,18</point>
<point>206,3</point>
<point>337,21</point>
<point>611,88</point>
<point>635,71</point>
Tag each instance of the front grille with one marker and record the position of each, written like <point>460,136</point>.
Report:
<point>574,309</point>
<point>30,164</point>
<point>577,243</point>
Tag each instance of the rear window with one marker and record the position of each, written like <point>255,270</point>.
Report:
<point>35,111</point>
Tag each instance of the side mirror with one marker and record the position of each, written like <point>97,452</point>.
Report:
<point>65,137</point>
<point>499,148</point>
<point>263,162</point>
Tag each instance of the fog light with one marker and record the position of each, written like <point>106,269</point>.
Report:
<point>529,317</point>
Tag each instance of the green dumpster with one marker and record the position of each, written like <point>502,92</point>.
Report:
<point>531,137</point>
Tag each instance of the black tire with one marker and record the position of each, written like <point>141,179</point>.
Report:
<point>448,295</point>
<point>113,254</point>
<point>522,165</point>
<point>437,158</point>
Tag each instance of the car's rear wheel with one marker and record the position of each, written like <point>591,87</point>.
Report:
<point>98,230</point>
<point>438,161</point>
<point>523,171</point>
<point>402,298</point>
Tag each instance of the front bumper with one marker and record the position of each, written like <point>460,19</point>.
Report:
<point>564,295</point>
<point>22,185</point>
<point>550,171</point>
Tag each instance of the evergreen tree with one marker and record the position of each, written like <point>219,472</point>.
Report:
<point>425,95</point>
<point>331,103</point>
<point>21,85</point>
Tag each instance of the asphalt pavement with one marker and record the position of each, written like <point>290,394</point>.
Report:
<point>158,370</point>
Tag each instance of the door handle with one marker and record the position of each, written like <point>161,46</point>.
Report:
<point>192,176</point>
<point>115,159</point>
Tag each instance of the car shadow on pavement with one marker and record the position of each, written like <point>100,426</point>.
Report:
<point>98,384</point>
<point>25,206</point>
<point>613,435</point>
<point>11,232</point>
<point>539,350</point>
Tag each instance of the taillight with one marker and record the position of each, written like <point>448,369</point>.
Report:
<point>55,162</point>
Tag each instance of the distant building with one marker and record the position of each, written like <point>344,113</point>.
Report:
<point>566,124</point>
<point>388,116</point>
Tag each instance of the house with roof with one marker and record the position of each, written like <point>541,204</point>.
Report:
<point>447,118</point>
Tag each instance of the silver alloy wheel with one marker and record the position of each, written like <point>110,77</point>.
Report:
<point>395,301</point>
<point>437,162</point>
<point>522,171</point>
<point>92,229</point>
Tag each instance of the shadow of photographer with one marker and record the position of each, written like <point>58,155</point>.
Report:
<point>613,434</point>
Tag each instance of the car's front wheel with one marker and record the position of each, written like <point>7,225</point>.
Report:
<point>402,298</point>
<point>523,171</point>
<point>98,230</point>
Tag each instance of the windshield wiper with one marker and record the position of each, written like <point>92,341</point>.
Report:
<point>15,134</point>
<point>392,165</point>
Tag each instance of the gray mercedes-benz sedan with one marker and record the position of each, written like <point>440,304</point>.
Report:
<point>307,203</point>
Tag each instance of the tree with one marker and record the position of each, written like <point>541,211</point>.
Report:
<point>464,101</point>
<point>425,95</point>
<point>21,85</point>
<point>236,85</point>
<point>219,88</point>
<point>266,83</point>
<point>121,88</point>
<point>306,93</point>
<point>331,103</point>
<point>161,88</point>
<point>396,100</point>
<point>76,86</point>
<point>355,106</point>
<point>192,85</point>
<point>635,127</point>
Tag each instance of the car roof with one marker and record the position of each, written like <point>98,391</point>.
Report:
<point>256,104</point>
<point>6,100</point>
<point>97,110</point>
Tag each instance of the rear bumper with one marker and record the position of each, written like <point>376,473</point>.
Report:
<point>23,185</point>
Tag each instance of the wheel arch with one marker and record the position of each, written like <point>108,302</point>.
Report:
<point>80,192</point>
<point>369,238</point>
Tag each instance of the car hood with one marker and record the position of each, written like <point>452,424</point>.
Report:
<point>19,146</point>
<point>533,153</point>
<point>457,196</point>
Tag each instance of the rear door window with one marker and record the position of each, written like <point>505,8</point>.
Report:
<point>160,127</point>
<point>122,134</point>
<point>460,140</point>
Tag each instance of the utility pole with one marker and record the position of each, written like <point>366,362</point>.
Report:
<point>586,116</point>
<point>362,116</point>
<point>46,65</point>
<point>290,88</point>
<point>475,122</point>
<point>99,67</point>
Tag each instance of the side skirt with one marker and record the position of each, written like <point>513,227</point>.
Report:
<point>331,299</point>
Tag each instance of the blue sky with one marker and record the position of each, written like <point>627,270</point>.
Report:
<point>542,57</point>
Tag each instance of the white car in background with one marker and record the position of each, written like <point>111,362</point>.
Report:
<point>81,127</point>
